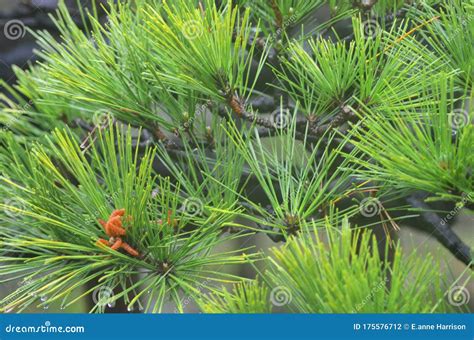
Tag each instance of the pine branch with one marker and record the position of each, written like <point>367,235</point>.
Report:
<point>296,184</point>
<point>417,151</point>
<point>442,231</point>
<point>246,297</point>
<point>164,234</point>
<point>381,115</point>
<point>358,261</point>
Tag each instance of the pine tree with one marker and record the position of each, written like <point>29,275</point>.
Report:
<point>139,155</point>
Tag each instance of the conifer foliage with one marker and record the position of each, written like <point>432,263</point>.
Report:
<point>139,157</point>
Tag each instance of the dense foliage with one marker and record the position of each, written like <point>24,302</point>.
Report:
<point>138,156</point>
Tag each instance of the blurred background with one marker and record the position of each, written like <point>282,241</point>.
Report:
<point>16,16</point>
<point>34,14</point>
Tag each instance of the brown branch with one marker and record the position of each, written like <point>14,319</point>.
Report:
<point>159,135</point>
<point>237,106</point>
<point>278,14</point>
<point>345,115</point>
<point>441,231</point>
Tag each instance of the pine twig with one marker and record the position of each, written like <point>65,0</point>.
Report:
<point>443,233</point>
<point>278,14</point>
<point>345,115</point>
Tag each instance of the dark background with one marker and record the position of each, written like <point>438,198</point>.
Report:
<point>33,14</point>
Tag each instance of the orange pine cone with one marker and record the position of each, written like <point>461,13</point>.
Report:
<point>117,245</point>
<point>236,105</point>
<point>118,212</point>
<point>114,227</point>
<point>130,250</point>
